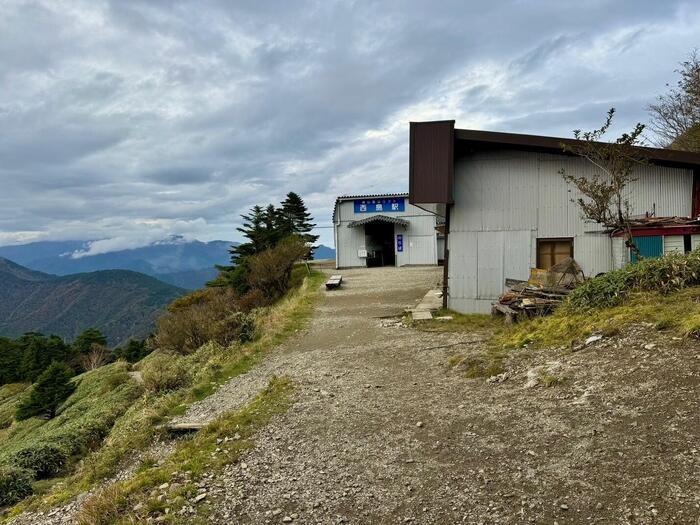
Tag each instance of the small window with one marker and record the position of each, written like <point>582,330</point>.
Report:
<point>687,244</point>
<point>553,251</point>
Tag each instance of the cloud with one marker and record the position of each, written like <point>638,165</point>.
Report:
<point>143,234</point>
<point>131,120</point>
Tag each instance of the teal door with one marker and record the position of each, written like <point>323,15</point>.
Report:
<point>649,247</point>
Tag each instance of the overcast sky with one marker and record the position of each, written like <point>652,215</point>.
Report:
<point>131,120</point>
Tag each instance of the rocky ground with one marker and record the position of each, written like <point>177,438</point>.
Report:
<point>384,431</point>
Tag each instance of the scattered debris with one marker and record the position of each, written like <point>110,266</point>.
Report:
<point>593,339</point>
<point>541,293</point>
<point>422,315</point>
<point>500,378</point>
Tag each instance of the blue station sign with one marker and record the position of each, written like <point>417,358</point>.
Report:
<point>392,204</point>
<point>399,242</point>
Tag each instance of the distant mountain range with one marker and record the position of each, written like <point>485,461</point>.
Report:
<point>182,263</point>
<point>187,264</point>
<point>120,303</point>
<point>324,252</point>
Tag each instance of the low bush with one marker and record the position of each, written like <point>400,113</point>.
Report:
<point>271,270</point>
<point>209,315</point>
<point>665,274</point>
<point>163,372</point>
<point>15,484</point>
<point>43,460</point>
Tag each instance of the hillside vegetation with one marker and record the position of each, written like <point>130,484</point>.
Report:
<point>664,291</point>
<point>121,304</point>
<point>35,449</point>
<point>124,415</point>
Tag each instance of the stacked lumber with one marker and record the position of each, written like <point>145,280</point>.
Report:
<point>539,295</point>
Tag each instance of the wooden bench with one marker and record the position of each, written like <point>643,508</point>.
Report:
<point>334,282</point>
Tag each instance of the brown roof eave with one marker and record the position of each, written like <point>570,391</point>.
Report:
<point>475,139</point>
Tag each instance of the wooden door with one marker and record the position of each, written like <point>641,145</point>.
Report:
<point>553,251</point>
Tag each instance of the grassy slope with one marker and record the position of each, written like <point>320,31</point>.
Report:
<point>87,416</point>
<point>10,395</point>
<point>677,312</point>
<point>210,450</point>
<point>213,366</point>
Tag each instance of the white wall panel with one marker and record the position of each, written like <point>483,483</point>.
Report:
<point>594,253</point>
<point>489,264</point>
<point>674,244</point>
<point>505,191</point>
<point>695,241</point>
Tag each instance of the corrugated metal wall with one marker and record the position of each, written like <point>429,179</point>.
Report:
<point>516,191</point>
<point>674,244</point>
<point>695,241</point>
<point>419,237</point>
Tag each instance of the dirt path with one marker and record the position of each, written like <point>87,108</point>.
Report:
<point>383,431</point>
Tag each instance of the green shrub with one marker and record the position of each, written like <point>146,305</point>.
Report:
<point>210,315</point>
<point>114,381</point>
<point>15,484</point>
<point>665,274</point>
<point>163,372</point>
<point>44,460</point>
<point>271,269</point>
<point>51,389</point>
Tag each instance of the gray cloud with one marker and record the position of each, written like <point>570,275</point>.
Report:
<point>133,119</point>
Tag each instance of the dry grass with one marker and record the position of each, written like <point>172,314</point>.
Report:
<point>212,365</point>
<point>205,452</point>
<point>460,323</point>
<point>677,312</point>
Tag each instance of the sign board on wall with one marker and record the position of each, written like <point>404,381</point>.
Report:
<point>399,242</point>
<point>390,204</point>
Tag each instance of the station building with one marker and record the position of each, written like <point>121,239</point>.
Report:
<point>383,230</point>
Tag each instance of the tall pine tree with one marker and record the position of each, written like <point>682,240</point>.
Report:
<point>83,343</point>
<point>264,228</point>
<point>38,352</point>
<point>10,361</point>
<point>296,219</point>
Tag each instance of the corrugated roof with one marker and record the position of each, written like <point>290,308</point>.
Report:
<point>371,196</point>
<point>378,218</point>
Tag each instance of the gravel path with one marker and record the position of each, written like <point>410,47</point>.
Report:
<point>384,431</point>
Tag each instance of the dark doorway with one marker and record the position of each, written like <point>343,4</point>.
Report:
<point>379,240</point>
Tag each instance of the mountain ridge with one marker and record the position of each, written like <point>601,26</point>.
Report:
<point>122,304</point>
<point>188,264</point>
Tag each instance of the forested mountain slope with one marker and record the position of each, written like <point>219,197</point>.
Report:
<point>120,303</point>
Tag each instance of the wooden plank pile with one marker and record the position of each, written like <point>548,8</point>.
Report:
<point>540,294</point>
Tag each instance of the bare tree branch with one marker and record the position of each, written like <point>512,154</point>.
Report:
<point>675,117</point>
<point>603,200</point>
